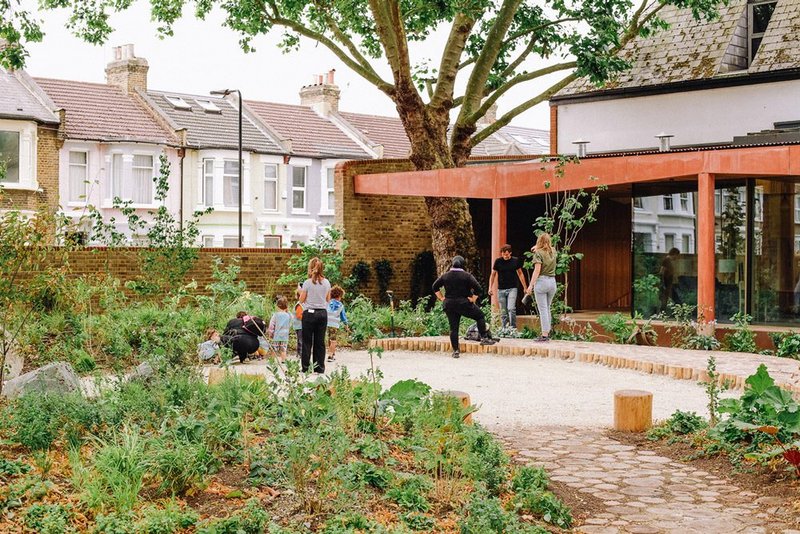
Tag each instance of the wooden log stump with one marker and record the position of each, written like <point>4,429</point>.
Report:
<point>633,410</point>
<point>463,398</point>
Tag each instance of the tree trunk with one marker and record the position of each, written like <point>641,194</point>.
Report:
<point>451,223</point>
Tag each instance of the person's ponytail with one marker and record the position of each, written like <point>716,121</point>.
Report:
<point>316,270</point>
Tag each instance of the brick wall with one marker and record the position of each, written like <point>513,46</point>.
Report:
<point>381,227</point>
<point>260,268</point>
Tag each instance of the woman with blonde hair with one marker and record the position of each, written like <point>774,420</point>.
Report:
<point>543,281</point>
<point>314,297</point>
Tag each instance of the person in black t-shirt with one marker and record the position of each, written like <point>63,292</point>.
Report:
<point>506,271</point>
<point>461,292</point>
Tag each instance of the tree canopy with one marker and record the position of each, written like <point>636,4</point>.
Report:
<point>491,47</point>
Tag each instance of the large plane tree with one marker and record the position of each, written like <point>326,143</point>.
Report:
<point>492,47</point>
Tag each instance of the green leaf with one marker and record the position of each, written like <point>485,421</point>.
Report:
<point>760,381</point>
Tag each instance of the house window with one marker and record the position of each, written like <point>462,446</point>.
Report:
<point>684,197</point>
<point>208,106</point>
<point>685,245</point>
<point>208,182</point>
<point>178,102</point>
<point>273,241</point>
<point>230,241</point>
<point>668,203</point>
<point>78,175</point>
<point>142,182</point>
<point>116,176</point>
<point>271,187</point>
<point>208,241</point>
<point>637,203</point>
<point>669,242</point>
<point>9,156</point>
<point>718,202</point>
<point>759,15</point>
<point>643,242</point>
<point>329,179</point>
<point>299,188</point>
<point>230,183</point>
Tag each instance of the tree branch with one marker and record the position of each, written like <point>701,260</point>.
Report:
<point>348,43</point>
<point>488,56</point>
<point>448,66</point>
<point>505,119</point>
<point>367,74</point>
<point>486,104</point>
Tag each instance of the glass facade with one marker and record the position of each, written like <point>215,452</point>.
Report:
<point>757,249</point>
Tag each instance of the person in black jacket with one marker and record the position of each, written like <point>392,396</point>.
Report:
<point>241,334</point>
<point>461,292</point>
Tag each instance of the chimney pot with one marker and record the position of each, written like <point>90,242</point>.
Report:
<point>322,95</point>
<point>126,71</point>
<point>117,53</point>
<point>330,76</point>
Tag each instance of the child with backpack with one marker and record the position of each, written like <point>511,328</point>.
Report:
<point>279,325</point>
<point>336,317</point>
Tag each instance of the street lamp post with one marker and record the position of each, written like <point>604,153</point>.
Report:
<point>224,93</point>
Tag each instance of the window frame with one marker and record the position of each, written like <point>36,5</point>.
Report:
<point>304,189</point>
<point>19,182</point>
<point>85,185</point>
<point>683,199</point>
<point>664,200</point>
<point>205,200</point>
<point>638,203</point>
<point>150,201</point>
<point>268,179</point>
<point>227,238</point>
<point>751,35</point>
<point>328,189</point>
<point>238,173</point>
<point>205,240</point>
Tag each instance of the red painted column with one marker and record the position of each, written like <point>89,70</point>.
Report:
<point>499,225</point>
<point>705,246</point>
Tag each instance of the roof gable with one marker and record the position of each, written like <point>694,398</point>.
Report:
<point>17,101</point>
<point>104,113</point>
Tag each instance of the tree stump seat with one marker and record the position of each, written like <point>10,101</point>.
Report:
<point>633,410</point>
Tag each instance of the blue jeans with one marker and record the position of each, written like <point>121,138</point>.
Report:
<point>508,306</point>
<point>544,290</point>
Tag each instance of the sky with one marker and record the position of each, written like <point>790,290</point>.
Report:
<point>204,55</point>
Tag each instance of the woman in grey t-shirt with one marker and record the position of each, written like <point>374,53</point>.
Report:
<point>314,296</point>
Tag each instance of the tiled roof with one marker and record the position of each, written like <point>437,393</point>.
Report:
<point>386,131</point>
<point>103,112</point>
<point>18,102</point>
<point>780,48</point>
<point>693,50</point>
<point>514,141</point>
<point>214,130</point>
<point>310,134</point>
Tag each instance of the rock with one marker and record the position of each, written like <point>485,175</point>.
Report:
<point>143,372</point>
<point>56,377</point>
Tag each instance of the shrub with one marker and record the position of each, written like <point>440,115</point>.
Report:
<point>39,420</point>
<point>165,520</point>
<point>252,519</point>
<point>485,515</point>
<point>357,475</point>
<point>486,462</point>
<point>544,504</point>
<point>410,491</point>
<point>529,478</point>
<point>418,521</point>
<point>787,345</point>
<point>742,339</point>
<point>180,464</point>
<point>679,424</point>
<point>617,325</point>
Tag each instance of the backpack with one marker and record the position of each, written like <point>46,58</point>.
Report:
<point>472,333</point>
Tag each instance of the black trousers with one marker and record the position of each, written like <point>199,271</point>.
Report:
<point>315,322</point>
<point>455,309</point>
<point>242,345</point>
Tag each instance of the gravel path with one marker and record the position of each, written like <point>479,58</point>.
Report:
<point>519,390</point>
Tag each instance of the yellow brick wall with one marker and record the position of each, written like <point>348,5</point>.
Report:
<point>381,227</point>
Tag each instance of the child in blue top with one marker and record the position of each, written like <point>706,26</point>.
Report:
<point>336,317</point>
<point>279,327</point>
<point>208,350</point>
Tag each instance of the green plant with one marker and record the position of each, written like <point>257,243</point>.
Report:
<point>742,339</point>
<point>357,475</point>
<point>359,274</point>
<point>787,345</point>
<point>544,504</point>
<point>49,519</point>
<point>646,294</point>
<point>252,519</point>
<point>678,424</point>
<point>484,515</point>
<point>328,247</point>
<point>486,462</point>
<point>410,492</point>
<point>619,326</point>
<point>167,520</point>
<point>713,388</point>
<point>528,478</point>
<point>180,463</point>
<point>10,468</point>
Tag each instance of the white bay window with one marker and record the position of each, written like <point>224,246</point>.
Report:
<point>78,175</point>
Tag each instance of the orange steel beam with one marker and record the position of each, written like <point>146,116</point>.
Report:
<point>705,246</point>
<point>519,180</point>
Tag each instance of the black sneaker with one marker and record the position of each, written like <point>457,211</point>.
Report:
<point>488,341</point>
<point>456,354</point>
<point>542,339</point>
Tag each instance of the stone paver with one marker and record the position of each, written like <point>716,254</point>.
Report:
<point>733,367</point>
<point>643,492</point>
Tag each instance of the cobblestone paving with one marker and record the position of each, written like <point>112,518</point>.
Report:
<point>642,491</point>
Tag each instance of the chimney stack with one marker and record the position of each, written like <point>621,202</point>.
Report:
<point>127,71</point>
<point>322,95</point>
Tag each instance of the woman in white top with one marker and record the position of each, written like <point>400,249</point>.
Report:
<point>314,296</point>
